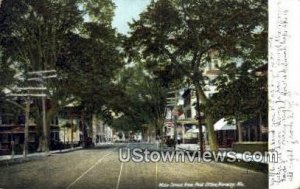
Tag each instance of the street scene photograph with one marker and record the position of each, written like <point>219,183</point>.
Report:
<point>128,94</point>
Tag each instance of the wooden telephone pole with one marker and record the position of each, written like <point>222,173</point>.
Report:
<point>39,76</point>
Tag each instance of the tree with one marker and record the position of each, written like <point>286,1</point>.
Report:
<point>143,102</point>
<point>41,35</point>
<point>182,34</point>
<point>240,96</point>
<point>6,73</point>
<point>237,95</point>
<point>33,35</point>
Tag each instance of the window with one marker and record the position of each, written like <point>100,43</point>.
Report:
<point>188,113</point>
<point>187,100</point>
<point>21,119</point>
<point>31,138</point>
<point>216,63</point>
<point>4,138</point>
<point>7,119</point>
<point>209,65</point>
<point>54,121</point>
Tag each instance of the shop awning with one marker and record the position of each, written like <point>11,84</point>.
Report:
<point>222,125</point>
<point>196,130</point>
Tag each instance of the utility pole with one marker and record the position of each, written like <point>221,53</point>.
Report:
<point>41,76</point>
<point>175,116</point>
<point>27,113</point>
<point>45,133</point>
<point>83,128</point>
<point>26,129</point>
<point>27,106</point>
<point>172,102</point>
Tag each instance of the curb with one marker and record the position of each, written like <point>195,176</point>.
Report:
<point>19,158</point>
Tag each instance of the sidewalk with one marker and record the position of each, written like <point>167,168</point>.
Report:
<point>35,155</point>
<point>104,144</point>
<point>238,156</point>
<point>195,147</point>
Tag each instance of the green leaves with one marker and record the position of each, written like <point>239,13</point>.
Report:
<point>50,34</point>
<point>178,37</point>
<point>239,93</point>
<point>143,101</point>
<point>99,11</point>
<point>6,73</point>
<point>185,31</point>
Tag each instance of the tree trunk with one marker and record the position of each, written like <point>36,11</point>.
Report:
<point>201,145</point>
<point>239,129</point>
<point>161,133</point>
<point>43,145</point>
<point>40,144</point>
<point>64,136</point>
<point>72,131</point>
<point>260,127</point>
<point>213,143</point>
<point>212,138</point>
<point>175,130</point>
<point>83,129</point>
<point>47,140</point>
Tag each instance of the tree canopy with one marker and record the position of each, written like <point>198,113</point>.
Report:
<point>73,37</point>
<point>143,102</point>
<point>182,35</point>
<point>170,44</point>
<point>41,35</point>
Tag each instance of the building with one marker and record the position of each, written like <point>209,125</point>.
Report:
<point>65,128</point>
<point>148,133</point>
<point>101,131</point>
<point>254,129</point>
<point>188,122</point>
<point>12,130</point>
<point>70,130</point>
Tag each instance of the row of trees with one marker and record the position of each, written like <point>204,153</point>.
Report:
<point>179,35</point>
<point>241,96</point>
<point>73,37</point>
<point>169,45</point>
<point>143,102</point>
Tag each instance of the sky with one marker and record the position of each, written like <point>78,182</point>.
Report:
<point>125,11</point>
